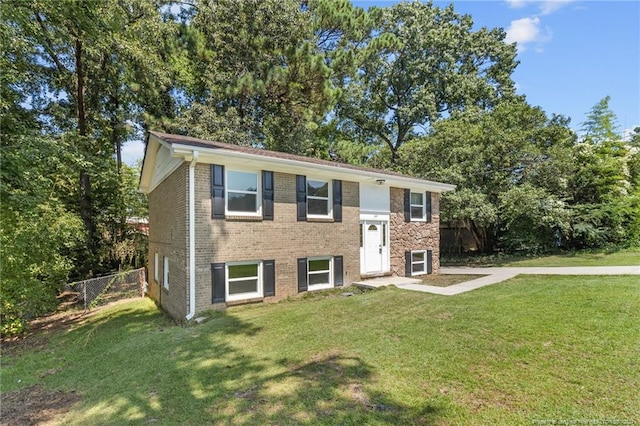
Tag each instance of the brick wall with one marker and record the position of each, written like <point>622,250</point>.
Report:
<point>284,239</point>
<point>168,224</point>
<point>407,236</point>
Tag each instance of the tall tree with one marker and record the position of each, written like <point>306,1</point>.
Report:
<point>259,66</point>
<point>418,63</point>
<point>601,124</point>
<point>91,66</point>
<point>602,187</point>
<point>513,152</point>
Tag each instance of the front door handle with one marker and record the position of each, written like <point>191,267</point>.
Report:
<point>380,249</point>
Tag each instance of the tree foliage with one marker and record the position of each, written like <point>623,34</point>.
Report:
<point>417,63</point>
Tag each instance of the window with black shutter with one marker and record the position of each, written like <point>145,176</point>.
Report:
<point>338,271</point>
<point>269,277</point>
<point>267,195</point>
<point>301,197</point>
<point>217,191</point>
<point>302,274</point>
<point>337,201</point>
<point>218,282</point>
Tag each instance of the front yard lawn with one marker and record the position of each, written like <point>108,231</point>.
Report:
<point>529,350</point>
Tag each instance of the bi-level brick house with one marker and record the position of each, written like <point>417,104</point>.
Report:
<point>231,224</point>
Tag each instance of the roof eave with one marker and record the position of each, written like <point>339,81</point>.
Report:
<point>186,150</point>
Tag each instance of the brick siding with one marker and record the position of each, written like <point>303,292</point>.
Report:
<point>168,236</point>
<point>283,239</point>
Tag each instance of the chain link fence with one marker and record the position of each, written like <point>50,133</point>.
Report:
<point>96,291</point>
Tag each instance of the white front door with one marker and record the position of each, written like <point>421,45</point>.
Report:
<point>374,247</point>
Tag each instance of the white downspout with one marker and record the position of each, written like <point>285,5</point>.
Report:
<point>192,237</point>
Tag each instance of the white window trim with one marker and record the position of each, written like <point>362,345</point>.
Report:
<point>258,192</point>
<point>243,296</point>
<point>422,218</point>
<point>424,262</point>
<point>165,272</point>
<point>329,199</point>
<point>156,267</point>
<point>314,287</point>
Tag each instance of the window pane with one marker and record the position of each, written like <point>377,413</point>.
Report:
<point>240,271</point>
<point>319,207</point>
<point>417,267</point>
<point>416,212</point>
<point>317,189</point>
<point>242,202</point>
<point>417,257</point>
<point>241,181</point>
<point>416,198</point>
<point>244,286</point>
<point>316,279</point>
<point>319,265</point>
<point>384,234</point>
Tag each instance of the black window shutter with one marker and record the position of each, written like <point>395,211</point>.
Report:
<point>429,261</point>
<point>217,191</point>
<point>267,195</point>
<point>407,263</point>
<point>428,205</point>
<point>302,274</point>
<point>269,277</point>
<point>301,197</point>
<point>407,205</point>
<point>338,275</point>
<point>337,201</point>
<point>218,282</point>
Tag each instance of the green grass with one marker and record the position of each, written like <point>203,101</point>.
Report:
<point>626,257</point>
<point>442,280</point>
<point>529,349</point>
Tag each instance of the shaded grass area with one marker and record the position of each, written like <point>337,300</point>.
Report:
<point>624,257</point>
<point>448,280</point>
<point>532,348</point>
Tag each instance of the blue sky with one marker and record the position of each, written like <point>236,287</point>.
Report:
<point>572,54</point>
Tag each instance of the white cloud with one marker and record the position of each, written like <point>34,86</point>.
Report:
<point>526,31</point>
<point>516,4</point>
<point>523,30</point>
<point>132,151</point>
<point>548,7</point>
<point>545,7</point>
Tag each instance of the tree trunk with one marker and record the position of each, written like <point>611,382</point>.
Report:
<point>86,208</point>
<point>115,134</point>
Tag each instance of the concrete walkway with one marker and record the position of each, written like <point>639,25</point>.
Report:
<point>493,276</point>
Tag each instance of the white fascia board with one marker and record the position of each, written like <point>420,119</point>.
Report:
<point>285,165</point>
<point>153,173</point>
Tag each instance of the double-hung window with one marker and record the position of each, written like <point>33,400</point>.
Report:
<point>244,280</point>
<point>318,198</point>
<point>417,206</point>
<point>243,193</point>
<point>165,281</point>
<point>418,262</point>
<point>319,273</point>
<point>156,267</point>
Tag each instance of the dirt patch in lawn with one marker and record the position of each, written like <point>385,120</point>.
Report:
<point>35,405</point>
<point>447,280</point>
<point>39,330</point>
